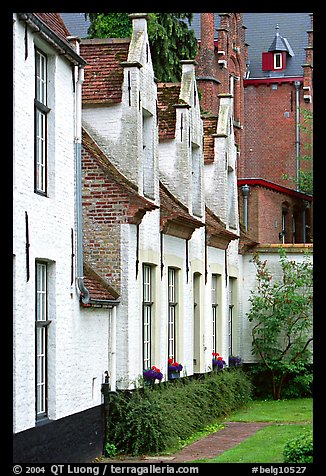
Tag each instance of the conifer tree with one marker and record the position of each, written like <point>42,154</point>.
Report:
<point>170,38</point>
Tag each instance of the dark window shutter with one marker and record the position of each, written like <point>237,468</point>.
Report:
<point>267,61</point>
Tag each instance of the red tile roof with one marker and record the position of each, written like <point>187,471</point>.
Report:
<point>103,72</point>
<point>167,97</point>
<point>55,23</point>
<point>98,289</point>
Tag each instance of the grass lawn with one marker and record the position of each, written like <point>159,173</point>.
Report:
<point>288,418</point>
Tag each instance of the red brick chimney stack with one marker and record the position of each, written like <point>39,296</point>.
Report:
<point>207,70</point>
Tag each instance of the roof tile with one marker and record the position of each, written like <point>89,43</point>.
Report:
<point>103,72</point>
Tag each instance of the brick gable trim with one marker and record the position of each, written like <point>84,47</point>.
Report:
<point>175,220</point>
<point>216,233</point>
<point>136,205</point>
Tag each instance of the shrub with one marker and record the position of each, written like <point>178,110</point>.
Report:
<point>154,419</point>
<point>299,450</point>
<point>296,385</point>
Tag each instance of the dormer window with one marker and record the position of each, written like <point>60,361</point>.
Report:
<point>275,58</point>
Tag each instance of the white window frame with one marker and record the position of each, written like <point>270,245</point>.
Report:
<point>172,312</point>
<point>147,315</point>
<point>231,314</point>
<point>214,311</point>
<point>40,120</point>
<point>41,337</point>
<point>276,57</point>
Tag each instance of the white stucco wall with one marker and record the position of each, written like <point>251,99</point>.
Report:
<point>75,335</point>
<point>249,282</point>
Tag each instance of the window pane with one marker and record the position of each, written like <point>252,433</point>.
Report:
<point>41,311</point>
<point>214,289</point>
<point>40,150</point>
<point>171,279</point>
<point>171,329</point>
<point>41,369</point>
<point>40,77</point>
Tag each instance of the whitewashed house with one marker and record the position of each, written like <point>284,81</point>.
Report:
<point>60,347</point>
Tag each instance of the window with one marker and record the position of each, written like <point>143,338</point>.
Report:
<point>214,312</point>
<point>147,315</point>
<point>148,155</point>
<point>172,297</point>
<point>40,121</point>
<point>231,314</point>
<point>196,181</point>
<point>42,324</point>
<point>197,322</point>
<point>278,61</point>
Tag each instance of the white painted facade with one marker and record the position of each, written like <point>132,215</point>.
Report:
<point>77,354</point>
<point>81,341</point>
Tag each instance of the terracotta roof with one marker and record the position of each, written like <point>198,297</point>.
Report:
<point>103,72</point>
<point>210,125</point>
<point>55,22</point>
<point>137,205</point>
<point>100,292</point>
<point>217,234</point>
<point>175,218</point>
<point>167,98</point>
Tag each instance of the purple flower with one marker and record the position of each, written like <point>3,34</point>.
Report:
<point>152,374</point>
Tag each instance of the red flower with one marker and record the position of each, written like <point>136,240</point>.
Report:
<point>219,358</point>
<point>215,354</point>
<point>170,361</point>
<point>175,364</point>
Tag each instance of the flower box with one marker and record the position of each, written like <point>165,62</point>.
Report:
<point>174,369</point>
<point>217,361</point>
<point>152,374</point>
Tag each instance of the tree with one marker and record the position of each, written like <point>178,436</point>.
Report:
<point>304,181</point>
<point>170,38</point>
<point>281,313</point>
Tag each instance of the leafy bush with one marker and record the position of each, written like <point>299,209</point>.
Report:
<point>299,450</point>
<point>155,419</point>
<point>296,385</point>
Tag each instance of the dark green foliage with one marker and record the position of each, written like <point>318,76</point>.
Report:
<point>154,419</point>
<point>296,385</point>
<point>170,38</point>
<point>300,449</point>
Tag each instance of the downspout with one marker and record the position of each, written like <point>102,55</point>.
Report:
<point>113,366</point>
<point>81,288</point>
<point>245,191</point>
<point>297,85</point>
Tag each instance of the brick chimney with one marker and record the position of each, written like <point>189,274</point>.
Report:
<point>207,70</point>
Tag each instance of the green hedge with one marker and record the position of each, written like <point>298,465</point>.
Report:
<point>154,419</point>
<point>300,449</point>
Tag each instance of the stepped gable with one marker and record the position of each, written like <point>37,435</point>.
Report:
<point>136,205</point>
<point>175,218</point>
<point>167,100</point>
<point>103,72</point>
<point>217,234</point>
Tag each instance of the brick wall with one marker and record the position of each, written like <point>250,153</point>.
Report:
<point>265,215</point>
<point>270,149</point>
